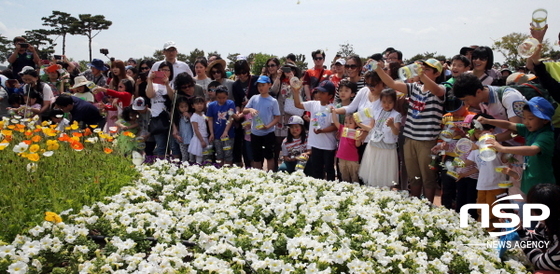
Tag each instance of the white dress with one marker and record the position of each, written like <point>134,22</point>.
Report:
<point>195,147</point>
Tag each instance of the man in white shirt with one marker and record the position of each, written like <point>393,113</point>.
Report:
<point>170,52</point>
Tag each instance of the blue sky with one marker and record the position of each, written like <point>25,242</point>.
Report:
<point>282,26</point>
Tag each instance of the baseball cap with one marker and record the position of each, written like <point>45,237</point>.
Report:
<point>433,63</point>
<point>24,69</point>
<point>263,79</point>
<point>539,106</point>
<point>326,86</point>
<point>241,57</point>
<point>139,104</point>
<point>340,61</point>
<point>295,120</point>
<point>169,44</point>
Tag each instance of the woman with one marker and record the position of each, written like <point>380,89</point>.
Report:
<point>217,72</point>
<point>367,98</point>
<point>141,81</point>
<point>159,94</point>
<point>243,89</point>
<point>132,72</point>
<point>482,62</point>
<point>545,260</point>
<point>30,77</point>
<point>201,78</point>
<point>121,98</point>
<point>353,68</point>
<point>338,74</point>
<point>286,105</point>
<point>185,85</point>
<point>118,73</point>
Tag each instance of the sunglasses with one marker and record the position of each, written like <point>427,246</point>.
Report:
<point>187,86</point>
<point>271,66</point>
<point>480,58</point>
<point>351,66</point>
<point>317,58</point>
<point>216,72</point>
<point>212,89</point>
<point>241,72</point>
<point>144,68</point>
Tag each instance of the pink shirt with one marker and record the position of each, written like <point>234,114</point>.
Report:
<point>347,149</point>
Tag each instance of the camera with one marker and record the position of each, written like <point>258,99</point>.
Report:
<point>286,69</point>
<point>104,51</point>
<point>58,57</point>
<point>24,45</point>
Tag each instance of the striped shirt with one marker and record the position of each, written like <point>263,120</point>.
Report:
<point>425,110</point>
<point>543,259</point>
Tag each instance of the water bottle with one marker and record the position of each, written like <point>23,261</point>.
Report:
<point>486,153</point>
<point>408,71</point>
<point>302,161</point>
<point>371,66</point>
<point>362,115</point>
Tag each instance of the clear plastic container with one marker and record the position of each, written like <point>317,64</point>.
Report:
<point>408,71</point>
<point>528,47</point>
<point>486,153</point>
<point>362,115</point>
<point>539,19</point>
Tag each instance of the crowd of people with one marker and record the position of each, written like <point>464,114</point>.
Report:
<point>458,125</point>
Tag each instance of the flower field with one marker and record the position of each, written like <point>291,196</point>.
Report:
<point>191,219</point>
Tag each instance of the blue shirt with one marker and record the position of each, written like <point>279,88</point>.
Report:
<point>267,108</point>
<point>220,116</point>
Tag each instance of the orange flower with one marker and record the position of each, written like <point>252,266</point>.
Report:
<point>107,150</point>
<point>87,132</point>
<point>64,138</point>
<point>28,133</point>
<point>77,134</point>
<point>11,126</point>
<point>36,138</point>
<point>8,138</point>
<point>77,146</point>
<point>20,126</point>
<point>27,142</point>
<point>37,129</point>
<point>110,139</point>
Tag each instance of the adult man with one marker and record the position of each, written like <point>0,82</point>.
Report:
<point>314,76</point>
<point>94,73</point>
<point>24,55</point>
<point>170,53</point>
<point>81,111</point>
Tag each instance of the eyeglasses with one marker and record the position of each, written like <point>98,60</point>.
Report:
<point>354,66</point>
<point>271,66</point>
<point>144,68</point>
<point>187,86</point>
<point>317,58</point>
<point>216,72</point>
<point>212,89</point>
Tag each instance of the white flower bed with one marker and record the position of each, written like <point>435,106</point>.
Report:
<point>249,221</point>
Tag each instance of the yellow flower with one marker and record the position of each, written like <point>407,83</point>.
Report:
<point>34,148</point>
<point>45,123</point>
<point>52,217</point>
<point>33,157</point>
<point>92,126</point>
<point>6,132</point>
<point>52,145</point>
<point>129,134</point>
<point>75,125</point>
<point>4,145</point>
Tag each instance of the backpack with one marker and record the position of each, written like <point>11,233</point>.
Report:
<point>529,90</point>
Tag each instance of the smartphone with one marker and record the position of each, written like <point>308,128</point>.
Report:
<point>24,45</point>
<point>159,77</point>
<point>58,57</point>
<point>286,69</point>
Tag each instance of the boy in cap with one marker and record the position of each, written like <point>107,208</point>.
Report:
<point>266,114</point>
<point>422,126</point>
<point>322,131</point>
<point>539,140</point>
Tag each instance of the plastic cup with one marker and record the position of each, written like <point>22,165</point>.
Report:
<point>295,83</point>
<point>463,146</point>
<point>528,47</point>
<point>539,19</point>
<point>505,184</point>
<point>499,169</point>
<point>408,71</point>
<point>486,153</point>
<point>349,133</point>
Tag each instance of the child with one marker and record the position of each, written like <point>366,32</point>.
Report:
<point>266,114</point>
<point>33,102</point>
<point>212,91</point>
<point>128,122</point>
<point>220,115</point>
<point>459,65</point>
<point>452,131</point>
<point>199,142</point>
<point>346,91</point>
<point>81,89</point>
<point>182,128</point>
<point>322,132</point>
<point>15,100</point>
<point>422,126</point>
<point>380,165</point>
<point>488,179</point>
<point>57,117</point>
<point>144,116</point>
<point>247,150</point>
<point>539,140</point>
<point>294,145</point>
<point>347,153</point>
